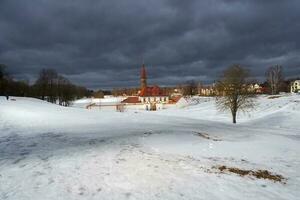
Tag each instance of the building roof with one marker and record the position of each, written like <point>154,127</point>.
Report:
<point>152,92</point>
<point>131,100</point>
<point>175,99</point>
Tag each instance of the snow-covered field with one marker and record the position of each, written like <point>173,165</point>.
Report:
<point>82,103</point>
<point>53,152</point>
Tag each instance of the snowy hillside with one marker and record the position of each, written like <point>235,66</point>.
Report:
<point>284,109</point>
<point>53,152</point>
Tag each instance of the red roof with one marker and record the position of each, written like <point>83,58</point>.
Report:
<point>143,72</point>
<point>175,99</point>
<point>131,100</point>
<point>152,91</point>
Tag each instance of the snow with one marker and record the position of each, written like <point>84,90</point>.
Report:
<point>205,109</point>
<point>82,103</point>
<point>53,152</point>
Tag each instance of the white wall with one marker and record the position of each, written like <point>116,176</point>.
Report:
<point>135,107</point>
<point>154,99</point>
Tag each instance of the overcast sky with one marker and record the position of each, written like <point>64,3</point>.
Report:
<point>102,44</point>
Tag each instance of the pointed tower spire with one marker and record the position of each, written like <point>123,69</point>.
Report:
<point>143,77</point>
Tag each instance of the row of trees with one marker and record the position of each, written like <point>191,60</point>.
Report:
<point>3,81</point>
<point>49,86</point>
<point>56,88</point>
<point>10,87</point>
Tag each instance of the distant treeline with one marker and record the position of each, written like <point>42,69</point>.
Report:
<point>49,86</point>
<point>55,88</point>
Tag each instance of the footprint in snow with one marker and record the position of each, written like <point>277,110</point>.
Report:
<point>81,191</point>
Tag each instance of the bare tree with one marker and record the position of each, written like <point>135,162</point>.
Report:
<point>274,77</point>
<point>199,88</point>
<point>65,91</point>
<point>2,71</point>
<point>4,81</point>
<point>98,94</point>
<point>46,85</point>
<point>189,88</point>
<point>233,91</point>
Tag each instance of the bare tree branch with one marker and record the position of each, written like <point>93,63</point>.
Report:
<point>233,91</point>
<point>274,77</point>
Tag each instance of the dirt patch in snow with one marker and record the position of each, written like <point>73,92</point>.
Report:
<point>259,174</point>
<point>206,136</point>
<point>274,97</point>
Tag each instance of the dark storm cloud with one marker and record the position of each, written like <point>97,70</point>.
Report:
<point>101,44</point>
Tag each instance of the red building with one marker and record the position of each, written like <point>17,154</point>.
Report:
<point>153,97</point>
<point>151,94</point>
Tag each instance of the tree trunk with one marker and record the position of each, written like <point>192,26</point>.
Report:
<point>234,117</point>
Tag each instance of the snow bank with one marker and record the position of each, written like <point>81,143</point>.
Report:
<point>53,152</point>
